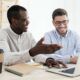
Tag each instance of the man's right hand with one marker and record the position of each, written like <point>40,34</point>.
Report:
<point>44,48</point>
<point>50,62</point>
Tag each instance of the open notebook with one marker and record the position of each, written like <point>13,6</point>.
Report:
<point>22,69</point>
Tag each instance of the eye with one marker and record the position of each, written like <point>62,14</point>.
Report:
<point>64,22</point>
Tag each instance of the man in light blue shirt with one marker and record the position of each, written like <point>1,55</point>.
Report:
<point>64,37</point>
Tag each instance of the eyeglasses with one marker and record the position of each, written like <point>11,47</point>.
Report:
<point>64,22</point>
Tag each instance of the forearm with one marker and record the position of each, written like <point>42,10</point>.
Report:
<point>16,57</point>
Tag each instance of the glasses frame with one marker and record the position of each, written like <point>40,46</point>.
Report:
<point>64,22</point>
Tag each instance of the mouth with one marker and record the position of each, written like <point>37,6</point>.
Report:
<point>25,27</point>
<point>62,29</point>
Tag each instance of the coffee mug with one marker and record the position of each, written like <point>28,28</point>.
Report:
<point>1,59</point>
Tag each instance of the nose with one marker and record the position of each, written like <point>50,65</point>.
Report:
<point>27,22</point>
<point>62,25</point>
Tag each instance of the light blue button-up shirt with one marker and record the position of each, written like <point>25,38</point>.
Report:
<point>70,45</point>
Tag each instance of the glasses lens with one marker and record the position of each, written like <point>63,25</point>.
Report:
<point>61,22</point>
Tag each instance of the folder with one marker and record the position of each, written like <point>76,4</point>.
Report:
<point>21,69</point>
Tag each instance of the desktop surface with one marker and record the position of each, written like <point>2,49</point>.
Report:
<point>39,74</point>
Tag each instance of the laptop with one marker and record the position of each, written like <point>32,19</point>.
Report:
<point>71,71</point>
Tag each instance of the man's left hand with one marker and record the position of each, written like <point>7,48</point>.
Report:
<point>73,59</point>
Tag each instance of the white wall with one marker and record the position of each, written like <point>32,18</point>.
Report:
<point>40,12</point>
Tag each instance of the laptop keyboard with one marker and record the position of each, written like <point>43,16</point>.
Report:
<point>70,71</point>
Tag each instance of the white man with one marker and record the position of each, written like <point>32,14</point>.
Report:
<point>68,39</point>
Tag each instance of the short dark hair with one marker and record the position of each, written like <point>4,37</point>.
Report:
<point>13,11</point>
<point>59,12</point>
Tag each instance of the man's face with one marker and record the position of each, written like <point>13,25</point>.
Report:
<point>60,23</point>
<point>21,24</point>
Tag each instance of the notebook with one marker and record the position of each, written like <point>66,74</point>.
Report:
<point>22,69</point>
<point>70,71</point>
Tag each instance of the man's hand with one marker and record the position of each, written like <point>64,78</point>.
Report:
<point>73,59</point>
<point>44,48</point>
<point>50,62</point>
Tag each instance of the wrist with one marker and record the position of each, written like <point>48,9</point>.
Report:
<point>34,51</point>
<point>49,59</point>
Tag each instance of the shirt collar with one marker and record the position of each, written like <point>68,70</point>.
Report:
<point>59,36</point>
<point>13,33</point>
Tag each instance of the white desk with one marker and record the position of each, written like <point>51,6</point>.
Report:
<point>39,74</point>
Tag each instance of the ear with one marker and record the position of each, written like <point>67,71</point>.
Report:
<point>53,22</point>
<point>14,21</point>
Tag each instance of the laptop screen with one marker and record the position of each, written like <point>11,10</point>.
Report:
<point>70,71</point>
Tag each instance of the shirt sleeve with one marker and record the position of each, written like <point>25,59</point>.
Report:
<point>64,59</point>
<point>16,56</point>
<point>77,45</point>
<point>41,58</point>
